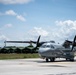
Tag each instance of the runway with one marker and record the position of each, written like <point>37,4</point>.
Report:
<point>37,67</point>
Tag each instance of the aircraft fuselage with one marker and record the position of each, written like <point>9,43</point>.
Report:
<point>51,50</point>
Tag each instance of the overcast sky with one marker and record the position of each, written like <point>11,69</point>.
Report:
<point>27,19</point>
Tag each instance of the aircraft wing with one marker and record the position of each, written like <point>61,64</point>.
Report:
<point>19,42</point>
<point>38,43</point>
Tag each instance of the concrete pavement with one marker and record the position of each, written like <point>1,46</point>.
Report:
<point>37,67</point>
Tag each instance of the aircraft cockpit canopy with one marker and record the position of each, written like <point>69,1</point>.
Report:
<point>48,45</point>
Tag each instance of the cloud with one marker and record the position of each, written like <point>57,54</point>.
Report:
<point>8,25</point>
<point>10,12</point>
<point>34,33</point>
<point>3,37</point>
<point>20,17</point>
<point>67,29</point>
<point>62,31</point>
<point>15,1</point>
<point>4,27</point>
<point>39,31</point>
<point>66,23</point>
<point>13,13</point>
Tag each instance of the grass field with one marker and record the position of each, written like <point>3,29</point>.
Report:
<point>18,56</point>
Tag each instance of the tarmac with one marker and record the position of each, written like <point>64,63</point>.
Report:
<point>37,66</point>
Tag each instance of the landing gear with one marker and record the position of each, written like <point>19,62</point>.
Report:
<point>47,59</point>
<point>52,59</point>
<point>67,59</point>
<point>70,59</point>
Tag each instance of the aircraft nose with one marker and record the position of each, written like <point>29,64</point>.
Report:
<point>40,50</point>
<point>43,50</point>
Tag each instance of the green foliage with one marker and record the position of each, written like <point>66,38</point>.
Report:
<point>28,49</point>
<point>18,56</point>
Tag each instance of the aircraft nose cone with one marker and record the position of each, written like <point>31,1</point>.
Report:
<point>41,50</point>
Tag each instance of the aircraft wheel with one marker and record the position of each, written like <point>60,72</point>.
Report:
<point>47,59</point>
<point>52,59</point>
<point>67,59</point>
<point>71,59</point>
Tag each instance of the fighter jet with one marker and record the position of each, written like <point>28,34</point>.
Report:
<point>50,51</point>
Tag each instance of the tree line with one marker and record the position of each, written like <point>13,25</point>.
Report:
<point>18,50</point>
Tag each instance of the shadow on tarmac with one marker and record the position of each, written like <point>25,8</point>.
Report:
<point>73,73</point>
<point>52,66</point>
<point>38,61</point>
